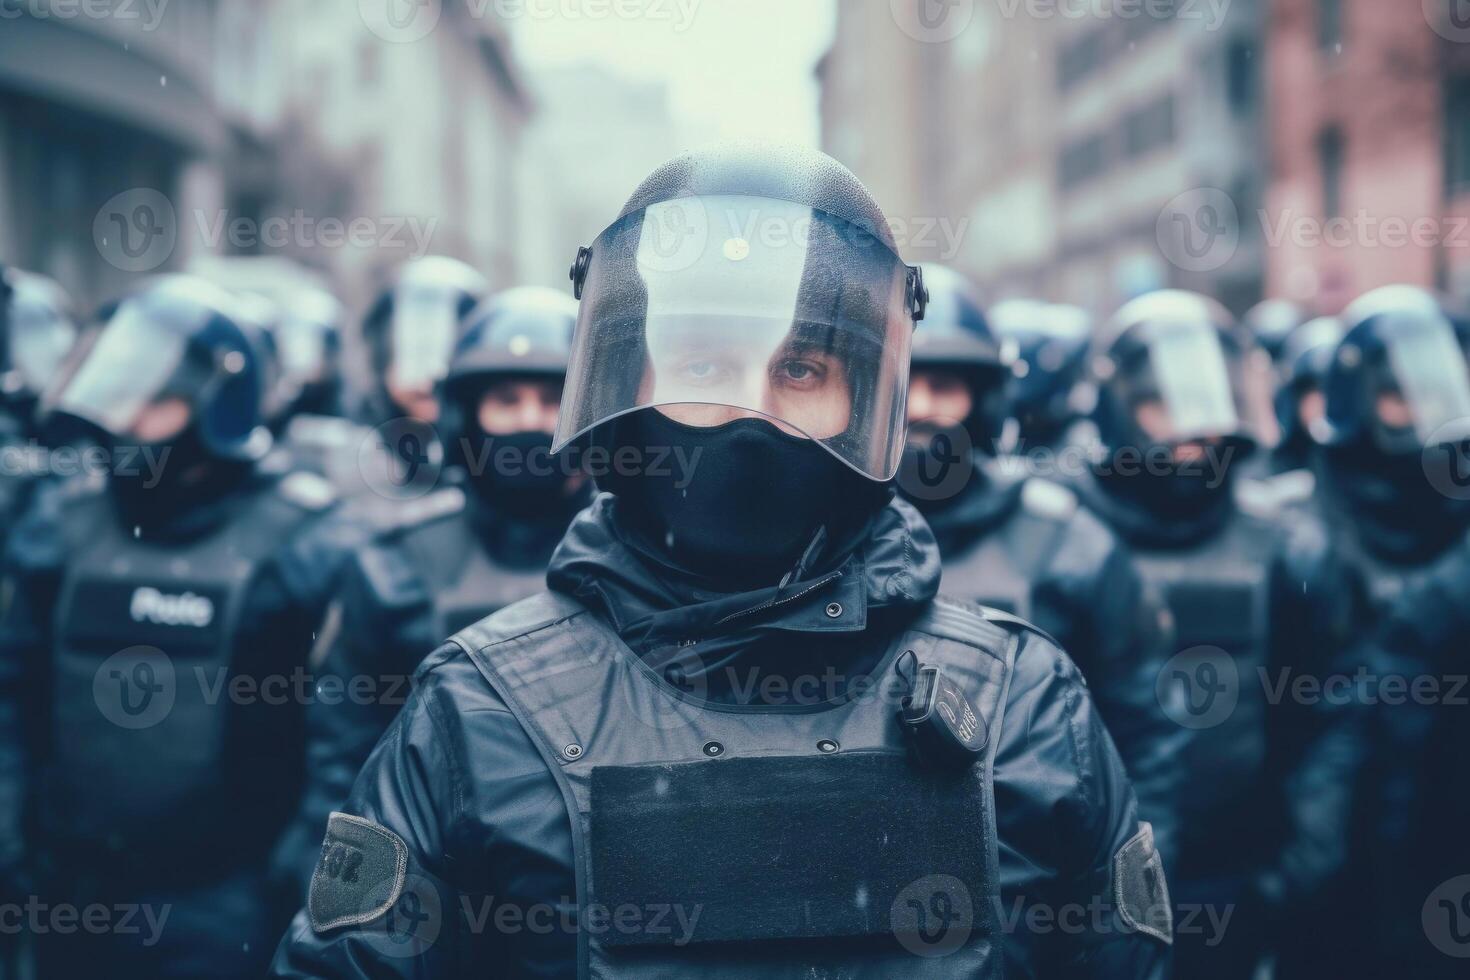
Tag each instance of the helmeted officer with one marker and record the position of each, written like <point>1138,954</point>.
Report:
<point>689,757</point>
<point>37,329</point>
<point>309,337</point>
<point>1395,497</point>
<point>1046,347</point>
<point>460,553</point>
<point>164,611</point>
<point>1021,543</point>
<point>1271,322</point>
<point>1264,805</point>
<point>1301,401</point>
<point>394,455</point>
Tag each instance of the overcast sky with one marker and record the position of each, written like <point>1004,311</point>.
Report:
<point>743,66</point>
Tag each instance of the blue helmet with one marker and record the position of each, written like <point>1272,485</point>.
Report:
<point>1399,383</point>
<point>37,330</point>
<point>1047,346</point>
<point>178,337</point>
<point>1303,364</point>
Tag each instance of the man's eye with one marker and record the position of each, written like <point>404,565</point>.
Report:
<point>804,372</point>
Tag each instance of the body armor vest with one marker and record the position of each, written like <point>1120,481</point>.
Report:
<point>1218,593</point>
<point>465,582</point>
<point>801,842</point>
<point>144,649</point>
<point>1001,568</point>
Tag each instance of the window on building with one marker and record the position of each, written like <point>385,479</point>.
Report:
<point>1082,160</point>
<point>1240,76</point>
<point>1331,151</point>
<point>1079,58</point>
<point>1329,24</point>
<point>1149,127</point>
<point>1457,134</point>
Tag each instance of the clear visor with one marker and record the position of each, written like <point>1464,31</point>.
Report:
<point>1184,387</point>
<point>1429,383</point>
<point>422,334</point>
<point>131,364</point>
<point>717,308</point>
<point>40,338</point>
<point>303,350</point>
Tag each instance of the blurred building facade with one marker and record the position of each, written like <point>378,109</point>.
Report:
<point>242,111</point>
<point>1058,141</point>
<point>1370,136</point>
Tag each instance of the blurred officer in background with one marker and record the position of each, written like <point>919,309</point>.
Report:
<point>1301,401</point>
<point>152,625</point>
<point>309,337</point>
<point>692,724</point>
<point>37,330</point>
<point>1022,544</point>
<point>1263,810</point>
<point>1046,346</point>
<point>1397,499</point>
<point>460,553</point>
<point>1271,322</point>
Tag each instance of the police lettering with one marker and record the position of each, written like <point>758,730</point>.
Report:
<point>149,605</point>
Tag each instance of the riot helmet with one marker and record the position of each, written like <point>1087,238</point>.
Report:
<point>170,358</point>
<point>500,400</point>
<point>1398,383</point>
<point>37,330</point>
<point>1047,347</point>
<point>955,343</point>
<point>747,307</point>
<point>754,280</point>
<point>1305,360</point>
<point>1173,374</point>
<point>411,330</point>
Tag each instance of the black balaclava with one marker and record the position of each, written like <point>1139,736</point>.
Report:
<point>1393,504</point>
<point>167,483</point>
<point>739,504</point>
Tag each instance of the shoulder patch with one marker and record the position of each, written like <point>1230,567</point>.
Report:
<point>359,875</point>
<point>1047,499</point>
<point>1139,887</point>
<point>307,490</point>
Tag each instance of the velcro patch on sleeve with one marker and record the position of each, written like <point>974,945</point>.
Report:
<point>1139,887</point>
<point>359,875</point>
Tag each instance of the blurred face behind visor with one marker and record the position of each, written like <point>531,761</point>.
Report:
<point>138,378</point>
<point>421,339</point>
<point>721,308</point>
<point>1420,388</point>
